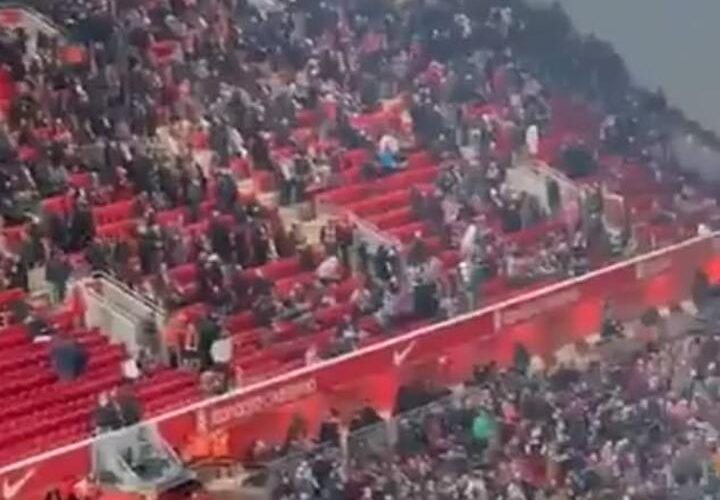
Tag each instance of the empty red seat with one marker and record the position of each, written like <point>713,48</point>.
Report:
<point>407,178</point>
<point>306,118</point>
<point>284,286</point>
<point>13,236</point>
<point>115,212</point>
<point>381,204</point>
<point>332,315</point>
<point>536,233</point>
<point>282,268</point>
<point>355,158</point>
<point>9,297</point>
<point>239,322</point>
<point>344,195</point>
<point>351,176</point>
<point>121,230</point>
<point>405,233</point>
<point>13,335</point>
<point>393,218</point>
<point>421,159</point>
<point>184,274</point>
<point>175,216</point>
<point>59,205</point>
<point>81,180</point>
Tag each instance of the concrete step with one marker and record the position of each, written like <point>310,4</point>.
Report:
<point>312,229</point>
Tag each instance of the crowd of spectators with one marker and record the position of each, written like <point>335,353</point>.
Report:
<point>165,105</point>
<point>240,79</point>
<point>237,80</point>
<point>633,417</point>
<point>168,104</point>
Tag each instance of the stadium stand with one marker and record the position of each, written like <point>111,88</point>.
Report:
<point>179,153</point>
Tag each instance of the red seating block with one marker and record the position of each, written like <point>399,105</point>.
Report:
<point>115,212</point>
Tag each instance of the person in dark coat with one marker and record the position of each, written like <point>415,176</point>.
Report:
<point>57,273</point>
<point>261,244</point>
<point>128,406</point>
<point>208,328</point>
<point>82,226</point>
<point>106,416</point>
<point>69,358</point>
<point>226,192</point>
<point>220,238</point>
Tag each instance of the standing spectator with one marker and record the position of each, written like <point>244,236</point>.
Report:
<point>57,273</point>
<point>128,406</point>
<point>106,416</point>
<point>69,358</point>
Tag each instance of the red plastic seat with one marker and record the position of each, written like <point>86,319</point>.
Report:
<point>393,218</point>
<point>115,212</point>
<point>121,230</point>
<point>184,274</point>
<point>421,159</point>
<point>381,203</point>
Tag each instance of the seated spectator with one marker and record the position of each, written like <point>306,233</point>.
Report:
<point>265,309</point>
<point>388,154</point>
<point>298,308</point>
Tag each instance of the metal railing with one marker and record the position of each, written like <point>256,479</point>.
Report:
<point>122,313</point>
<point>369,442</point>
<point>526,300</point>
<point>34,13</point>
<point>128,298</point>
<point>114,322</point>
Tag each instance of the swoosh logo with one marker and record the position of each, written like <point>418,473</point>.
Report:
<point>399,357</point>
<point>11,490</point>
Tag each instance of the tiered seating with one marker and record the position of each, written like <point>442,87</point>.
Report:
<point>38,412</point>
<point>643,195</point>
<point>367,192</point>
<point>261,353</point>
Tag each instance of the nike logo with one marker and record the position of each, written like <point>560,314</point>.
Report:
<point>11,490</point>
<point>399,357</point>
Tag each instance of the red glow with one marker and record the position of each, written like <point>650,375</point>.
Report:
<point>659,290</point>
<point>712,269</point>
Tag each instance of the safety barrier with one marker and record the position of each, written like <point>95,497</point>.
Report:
<point>20,15</point>
<point>121,327</point>
<point>120,312</point>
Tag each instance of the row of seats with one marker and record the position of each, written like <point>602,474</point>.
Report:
<point>39,412</point>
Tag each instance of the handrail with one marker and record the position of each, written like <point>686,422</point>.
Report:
<point>332,208</point>
<point>555,174</point>
<point>45,19</point>
<point>105,302</point>
<point>154,306</point>
<point>393,342</point>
